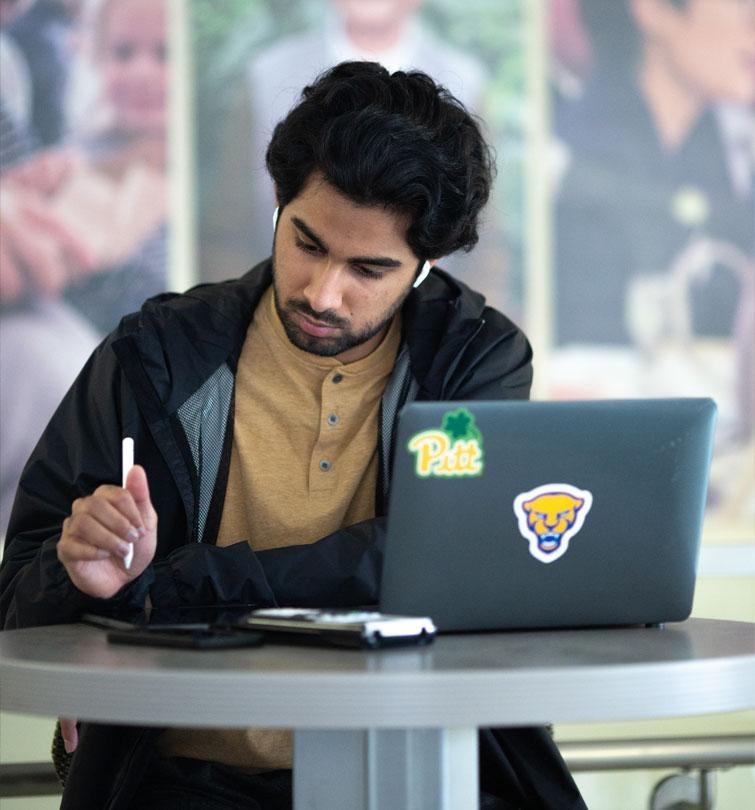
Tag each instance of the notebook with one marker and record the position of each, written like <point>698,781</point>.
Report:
<point>510,515</point>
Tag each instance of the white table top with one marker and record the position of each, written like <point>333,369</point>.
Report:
<point>480,679</point>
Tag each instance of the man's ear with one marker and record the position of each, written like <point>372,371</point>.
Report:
<point>276,213</point>
<point>424,271</point>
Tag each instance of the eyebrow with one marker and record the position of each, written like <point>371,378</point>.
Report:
<point>376,261</point>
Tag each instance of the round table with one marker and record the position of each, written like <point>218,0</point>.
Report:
<point>377,719</point>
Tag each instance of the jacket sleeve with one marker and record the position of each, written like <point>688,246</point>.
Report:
<point>78,451</point>
<point>342,569</point>
<point>34,586</point>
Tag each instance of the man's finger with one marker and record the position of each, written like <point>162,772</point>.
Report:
<point>86,528</point>
<point>137,485</point>
<point>72,550</point>
<point>120,516</point>
<point>118,498</point>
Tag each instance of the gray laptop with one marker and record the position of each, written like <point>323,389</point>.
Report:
<point>547,514</point>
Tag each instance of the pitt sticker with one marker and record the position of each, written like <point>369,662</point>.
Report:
<point>549,516</point>
<point>454,450</point>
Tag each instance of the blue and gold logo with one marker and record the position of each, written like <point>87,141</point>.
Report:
<point>549,516</point>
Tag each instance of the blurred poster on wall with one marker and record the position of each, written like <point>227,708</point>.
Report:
<point>252,60</point>
<point>83,220</point>
<point>653,108</point>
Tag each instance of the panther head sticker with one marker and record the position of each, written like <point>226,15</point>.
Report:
<point>549,516</point>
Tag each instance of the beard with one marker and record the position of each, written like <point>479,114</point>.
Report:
<point>331,345</point>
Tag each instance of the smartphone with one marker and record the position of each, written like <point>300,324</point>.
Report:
<point>196,617</point>
<point>187,637</point>
<point>367,629</point>
<point>187,634</point>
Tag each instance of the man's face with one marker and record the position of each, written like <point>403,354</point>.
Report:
<point>340,271</point>
<point>709,45</point>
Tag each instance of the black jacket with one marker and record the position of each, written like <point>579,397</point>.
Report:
<point>165,377</point>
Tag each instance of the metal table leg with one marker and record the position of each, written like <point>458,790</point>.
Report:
<point>420,769</point>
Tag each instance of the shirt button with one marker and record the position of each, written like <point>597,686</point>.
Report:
<point>333,419</point>
<point>337,378</point>
<point>325,465</point>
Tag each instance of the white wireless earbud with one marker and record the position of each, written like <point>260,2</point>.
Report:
<point>275,219</point>
<point>422,274</point>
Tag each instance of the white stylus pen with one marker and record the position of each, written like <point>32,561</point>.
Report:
<point>127,462</point>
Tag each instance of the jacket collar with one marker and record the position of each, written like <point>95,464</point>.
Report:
<point>440,318</point>
<point>180,340</point>
<point>176,341</point>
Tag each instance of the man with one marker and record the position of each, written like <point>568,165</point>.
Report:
<point>263,412</point>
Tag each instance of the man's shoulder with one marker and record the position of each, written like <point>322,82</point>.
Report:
<point>455,338</point>
<point>456,305</point>
<point>179,340</point>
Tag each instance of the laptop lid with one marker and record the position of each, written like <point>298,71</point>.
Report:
<point>547,514</point>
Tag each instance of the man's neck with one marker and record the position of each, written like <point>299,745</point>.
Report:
<point>674,104</point>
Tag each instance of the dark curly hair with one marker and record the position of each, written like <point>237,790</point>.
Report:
<point>395,140</point>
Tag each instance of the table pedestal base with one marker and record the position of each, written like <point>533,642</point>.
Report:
<point>420,769</point>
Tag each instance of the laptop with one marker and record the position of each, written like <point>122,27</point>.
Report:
<point>511,515</point>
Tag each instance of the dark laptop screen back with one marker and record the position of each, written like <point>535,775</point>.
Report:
<point>543,514</point>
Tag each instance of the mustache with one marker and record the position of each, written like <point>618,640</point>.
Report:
<point>327,317</point>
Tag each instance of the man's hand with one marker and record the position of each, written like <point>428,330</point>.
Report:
<point>97,535</point>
